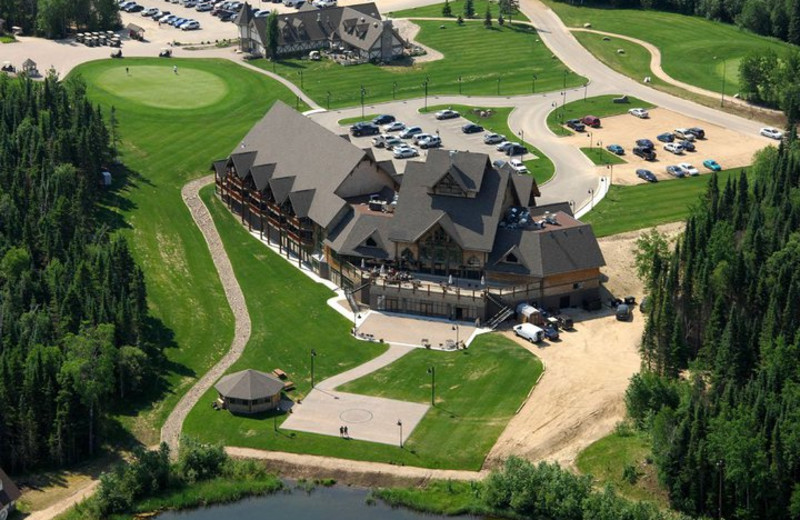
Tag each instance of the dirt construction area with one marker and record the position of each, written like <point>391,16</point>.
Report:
<point>580,397</point>
<point>730,149</point>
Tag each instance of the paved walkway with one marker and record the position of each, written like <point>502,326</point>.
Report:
<point>171,431</point>
<point>656,68</point>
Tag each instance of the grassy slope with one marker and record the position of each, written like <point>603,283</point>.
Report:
<point>693,49</point>
<point>285,328</point>
<point>626,208</point>
<point>350,120</point>
<point>163,149</point>
<point>457,8</point>
<point>602,156</point>
<point>541,168</point>
<point>477,393</point>
<point>606,459</point>
<point>471,52</point>
<point>600,106</point>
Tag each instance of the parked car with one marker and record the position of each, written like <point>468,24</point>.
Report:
<point>167,18</point>
<point>322,4</point>
<point>433,141</point>
<point>529,331</point>
<point>135,8</point>
<point>712,165</point>
<point>471,128</point>
<point>592,121</point>
<point>576,125</point>
<point>516,149</point>
<point>624,312</point>
<point>689,169</point>
<point>666,137</point>
<point>360,129</point>
<point>493,138</point>
<point>383,119</point>
<point>420,137</point>
<point>447,114</point>
<point>645,143</point>
<point>405,152</point>
<point>676,171</point>
<point>502,147</point>
<point>646,175</point>
<point>499,163</point>
<point>675,148</point>
<point>227,16</point>
<point>639,112</point>
<point>698,132</point>
<point>150,12</point>
<point>410,132</point>
<point>293,3</point>
<point>551,333</point>
<point>615,149</point>
<point>189,4</point>
<point>191,25</point>
<point>518,166</point>
<point>772,133</point>
<point>379,141</point>
<point>683,133</point>
<point>392,142</point>
<point>394,126</point>
<point>688,146</point>
<point>648,154</point>
<point>206,6</point>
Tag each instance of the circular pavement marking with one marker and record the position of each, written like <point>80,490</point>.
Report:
<point>356,415</point>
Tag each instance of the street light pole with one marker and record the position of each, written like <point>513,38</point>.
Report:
<point>432,372</point>
<point>591,199</point>
<point>394,90</point>
<point>400,424</point>
<point>329,100</point>
<point>313,355</point>
<point>590,140</point>
<point>458,330</point>
<point>498,86</point>
<point>610,167</point>
<point>565,79</point>
<point>363,91</point>
<point>533,84</point>
<point>522,141</point>
<point>425,85</point>
<point>301,80</point>
<point>459,85</point>
<point>722,98</point>
<point>585,90</point>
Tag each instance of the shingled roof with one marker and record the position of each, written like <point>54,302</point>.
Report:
<point>470,221</point>
<point>249,385</point>
<point>299,160</point>
<point>9,492</point>
<point>569,245</point>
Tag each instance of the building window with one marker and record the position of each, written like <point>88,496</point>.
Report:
<point>511,258</point>
<point>370,242</point>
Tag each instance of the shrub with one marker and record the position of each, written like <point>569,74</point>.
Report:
<point>198,461</point>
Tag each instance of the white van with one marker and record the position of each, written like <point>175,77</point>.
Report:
<point>529,331</point>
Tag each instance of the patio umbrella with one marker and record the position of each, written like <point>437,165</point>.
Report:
<point>483,280</point>
<point>450,280</point>
<point>363,264</point>
<point>383,269</point>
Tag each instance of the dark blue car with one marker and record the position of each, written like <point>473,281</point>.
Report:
<point>688,146</point>
<point>615,149</point>
<point>645,143</point>
<point>666,137</point>
<point>646,175</point>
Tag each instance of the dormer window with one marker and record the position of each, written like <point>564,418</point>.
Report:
<point>511,258</point>
<point>370,242</point>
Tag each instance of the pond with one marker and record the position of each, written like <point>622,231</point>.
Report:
<point>333,503</point>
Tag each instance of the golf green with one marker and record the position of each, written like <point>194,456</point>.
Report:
<point>164,86</point>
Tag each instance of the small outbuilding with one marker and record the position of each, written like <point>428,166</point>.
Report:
<point>29,66</point>
<point>249,391</point>
<point>135,32</point>
<point>9,493</point>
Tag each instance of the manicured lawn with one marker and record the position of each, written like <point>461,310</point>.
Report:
<point>7,39</point>
<point>162,149</point>
<point>694,50</point>
<point>478,390</point>
<point>457,7</point>
<point>607,458</point>
<point>480,57</point>
<point>626,208</point>
<point>541,168</point>
<point>633,62</point>
<point>600,106</point>
<point>351,120</point>
<point>602,156</point>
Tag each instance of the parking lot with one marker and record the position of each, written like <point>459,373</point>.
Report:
<point>729,148</point>
<point>449,130</point>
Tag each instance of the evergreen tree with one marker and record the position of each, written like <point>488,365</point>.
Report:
<point>272,35</point>
<point>487,20</point>
<point>469,9</point>
<point>447,11</point>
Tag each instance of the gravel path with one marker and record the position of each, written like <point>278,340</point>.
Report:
<point>171,431</point>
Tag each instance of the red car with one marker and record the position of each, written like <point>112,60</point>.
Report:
<point>592,121</point>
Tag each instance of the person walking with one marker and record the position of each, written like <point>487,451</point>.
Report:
<point>127,71</point>
<point>341,431</point>
<point>346,433</point>
<point>175,69</point>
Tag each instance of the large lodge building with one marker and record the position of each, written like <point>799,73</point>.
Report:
<point>450,237</point>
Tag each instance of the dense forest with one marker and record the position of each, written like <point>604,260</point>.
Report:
<point>72,300</point>
<point>720,392</point>
<point>54,18</point>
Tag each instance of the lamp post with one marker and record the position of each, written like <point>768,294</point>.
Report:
<point>425,86</point>
<point>329,100</point>
<point>458,330</point>
<point>400,424</point>
<point>432,372</point>
<point>565,79</point>
<point>590,140</point>
<point>591,198</point>
<point>722,97</point>
<point>301,79</point>
<point>522,142</point>
<point>313,355</point>
<point>533,83</point>
<point>363,92</point>
<point>498,86</point>
<point>394,89</point>
<point>459,85</point>
<point>610,167</point>
<point>585,90</point>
